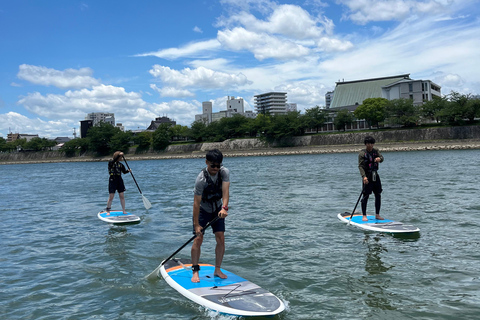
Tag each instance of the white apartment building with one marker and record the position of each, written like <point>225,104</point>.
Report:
<point>98,117</point>
<point>234,106</point>
<point>271,103</point>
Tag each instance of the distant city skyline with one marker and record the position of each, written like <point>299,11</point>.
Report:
<point>62,60</point>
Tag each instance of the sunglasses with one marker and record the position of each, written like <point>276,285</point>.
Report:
<point>212,165</point>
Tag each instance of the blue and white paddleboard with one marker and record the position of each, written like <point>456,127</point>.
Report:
<point>233,296</point>
<point>117,217</point>
<point>388,226</point>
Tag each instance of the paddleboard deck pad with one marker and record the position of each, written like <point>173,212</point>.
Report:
<point>233,296</point>
<point>388,226</point>
<point>117,217</point>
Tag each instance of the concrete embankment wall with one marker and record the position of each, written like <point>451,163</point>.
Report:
<point>339,139</point>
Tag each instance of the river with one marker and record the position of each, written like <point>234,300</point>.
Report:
<point>59,261</point>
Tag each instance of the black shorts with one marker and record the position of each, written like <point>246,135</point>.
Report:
<point>205,217</point>
<point>115,183</point>
<point>373,186</point>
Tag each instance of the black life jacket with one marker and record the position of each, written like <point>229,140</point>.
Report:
<point>213,191</point>
<point>115,168</point>
<point>369,161</point>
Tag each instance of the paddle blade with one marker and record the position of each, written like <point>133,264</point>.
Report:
<point>153,276</point>
<point>146,203</point>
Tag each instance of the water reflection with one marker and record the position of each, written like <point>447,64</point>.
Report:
<point>377,281</point>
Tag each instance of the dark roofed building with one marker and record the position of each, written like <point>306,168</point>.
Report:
<point>158,121</point>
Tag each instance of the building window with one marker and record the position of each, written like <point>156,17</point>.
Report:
<point>410,87</point>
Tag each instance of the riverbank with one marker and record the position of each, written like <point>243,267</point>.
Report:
<point>457,144</point>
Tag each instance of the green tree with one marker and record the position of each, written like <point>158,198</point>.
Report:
<point>198,130</point>
<point>315,117</point>
<point>120,141</point>
<point>143,140</point>
<point>343,118</point>
<point>401,112</point>
<point>372,110</point>
<point>431,109</point>
<point>100,136</point>
<point>3,144</point>
<point>75,146</point>
<point>161,137</point>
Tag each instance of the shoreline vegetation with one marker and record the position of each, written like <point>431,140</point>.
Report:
<point>456,144</point>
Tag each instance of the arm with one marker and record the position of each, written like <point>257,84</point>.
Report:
<point>225,197</point>
<point>196,213</point>
<point>360,164</point>
<point>379,159</point>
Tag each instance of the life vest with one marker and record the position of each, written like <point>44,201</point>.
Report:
<point>369,161</point>
<point>115,168</point>
<point>213,191</point>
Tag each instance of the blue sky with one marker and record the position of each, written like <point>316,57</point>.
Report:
<point>60,60</point>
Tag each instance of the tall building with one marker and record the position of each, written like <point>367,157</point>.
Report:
<point>98,117</point>
<point>328,99</point>
<point>234,106</point>
<point>271,103</point>
<point>84,126</point>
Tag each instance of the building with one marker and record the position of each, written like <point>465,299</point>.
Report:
<point>271,103</point>
<point>234,106</point>
<point>328,99</point>
<point>120,126</point>
<point>158,121</point>
<point>98,117</point>
<point>84,126</point>
<point>351,93</point>
<point>16,136</point>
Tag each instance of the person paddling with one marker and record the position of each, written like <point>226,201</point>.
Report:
<point>211,196</point>
<point>115,181</point>
<point>368,160</point>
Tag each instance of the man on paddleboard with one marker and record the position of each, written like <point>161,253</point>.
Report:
<point>115,181</point>
<point>211,195</point>
<point>368,160</point>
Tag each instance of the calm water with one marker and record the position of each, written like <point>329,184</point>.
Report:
<point>282,233</point>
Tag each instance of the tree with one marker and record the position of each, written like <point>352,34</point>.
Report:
<point>100,136</point>
<point>315,117</point>
<point>431,109</point>
<point>161,137</point>
<point>143,140</point>
<point>74,146</point>
<point>401,112</point>
<point>343,118</point>
<point>120,141</point>
<point>372,110</point>
<point>198,130</point>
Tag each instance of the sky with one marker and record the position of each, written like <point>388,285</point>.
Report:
<point>60,60</point>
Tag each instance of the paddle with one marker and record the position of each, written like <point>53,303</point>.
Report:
<point>356,204</point>
<point>154,274</point>
<point>146,203</point>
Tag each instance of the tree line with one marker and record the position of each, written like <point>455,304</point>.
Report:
<point>104,139</point>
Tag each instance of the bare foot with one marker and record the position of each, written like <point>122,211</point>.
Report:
<point>364,218</point>
<point>220,274</point>
<point>378,217</point>
<point>195,277</point>
<point>125,212</point>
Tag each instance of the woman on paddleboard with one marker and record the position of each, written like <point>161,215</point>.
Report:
<point>368,160</point>
<point>115,181</point>
<point>211,195</point>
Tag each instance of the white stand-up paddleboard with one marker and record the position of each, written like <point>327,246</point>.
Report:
<point>117,217</point>
<point>387,226</point>
<point>233,296</point>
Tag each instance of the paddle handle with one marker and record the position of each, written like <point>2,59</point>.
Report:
<point>132,174</point>
<point>190,240</point>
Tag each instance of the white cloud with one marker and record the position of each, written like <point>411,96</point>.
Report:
<point>172,92</point>
<point>18,123</point>
<point>197,29</point>
<point>193,49</point>
<point>66,79</point>
<point>200,77</point>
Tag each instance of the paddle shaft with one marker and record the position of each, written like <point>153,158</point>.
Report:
<point>132,174</point>
<point>190,240</point>
<point>357,202</point>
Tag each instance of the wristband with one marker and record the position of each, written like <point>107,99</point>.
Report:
<point>225,208</point>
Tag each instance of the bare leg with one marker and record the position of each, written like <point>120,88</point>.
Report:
<point>109,202</point>
<point>219,252</point>
<point>195,255</point>
<point>122,201</point>
<point>364,207</point>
